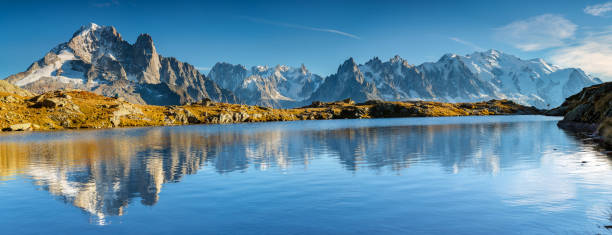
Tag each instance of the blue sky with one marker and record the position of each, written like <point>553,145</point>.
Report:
<point>321,34</point>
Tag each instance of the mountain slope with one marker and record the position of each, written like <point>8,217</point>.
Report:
<point>6,87</point>
<point>97,59</point>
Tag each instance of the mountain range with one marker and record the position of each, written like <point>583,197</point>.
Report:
<point>454,78</point>
<point>97,59</point>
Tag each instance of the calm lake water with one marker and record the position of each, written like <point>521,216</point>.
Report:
<point>459,175</point>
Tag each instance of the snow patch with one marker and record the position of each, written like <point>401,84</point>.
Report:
<point>61,70</point>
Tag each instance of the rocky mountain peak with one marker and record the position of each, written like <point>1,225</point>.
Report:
<point>86,29</point>
<point>97,32</point>
<point>348,65</point>
<point>303,69</point>
<point>399,60</point>
<point>93,39</point>
<point>260,68</point>
<point>282,68</point>
<point>448,57</point>
<point>396,59</point>
<point>491,55</point>
<point>224,66</point>
<point>144,39</point>
<point>144,46</point>
<point>349,71</point>
<point>493,52</point>
<point>374,62</point>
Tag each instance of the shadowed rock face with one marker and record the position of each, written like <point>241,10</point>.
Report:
<point>97,59</point>
<point>591,105</point>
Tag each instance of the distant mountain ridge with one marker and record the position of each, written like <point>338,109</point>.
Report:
<point>278,86</point>
<point>453,78</point>
<point>97,59</point>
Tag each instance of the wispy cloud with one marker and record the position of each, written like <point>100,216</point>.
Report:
<point>469,44</point>
<point>599,9</point>
<point>537,33</point>
<point>106,4</point>
<point>592,54</point>
<point>296,26</point>
<point>202,68</point>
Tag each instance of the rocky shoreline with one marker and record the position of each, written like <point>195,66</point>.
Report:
<point>589,111</point>
<point>77,109</point>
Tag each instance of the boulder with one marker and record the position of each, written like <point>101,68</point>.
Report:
<point>317,104</point>
<point>206,102</point>
<point>19,127</point>
<point>123,109</point>
<point>49,103</point>
<point>348,101</point>
<point>325,115</point>
<point>57,99</point>
<point>353,112</point>
<point>255,117</point>
<point>191,118</point>
<point>225,118</point>
<point>241,116</point>
<point>212,119</point>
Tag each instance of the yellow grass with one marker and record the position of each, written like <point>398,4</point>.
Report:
<point>89,110</point>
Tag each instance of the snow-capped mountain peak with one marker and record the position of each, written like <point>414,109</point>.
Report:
<point>96,58</point>
<point>85,29</point>
<point>260,68</point>
<point>448,57</point>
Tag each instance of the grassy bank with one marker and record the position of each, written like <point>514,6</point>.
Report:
<point>80,109</point>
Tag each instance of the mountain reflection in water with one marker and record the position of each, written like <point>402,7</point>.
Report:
<point>100,172</point>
